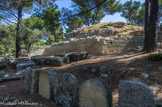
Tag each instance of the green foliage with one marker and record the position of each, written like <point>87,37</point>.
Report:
<point>92,17</point>
<point>7,43</point>
<point>74,23</point>
<point>31,33</point>
<point>112,6</point>
<point>155,57</point>
<point>33,23</point>
<point>133,11</point>
<point>51,18</point>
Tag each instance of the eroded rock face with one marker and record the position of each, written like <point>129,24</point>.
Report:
<point>135,94</point>
<point>95,93</point>
<point>65,90</point>
<point>46,80</point>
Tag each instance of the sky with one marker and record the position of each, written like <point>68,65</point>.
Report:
<point>113,18</point>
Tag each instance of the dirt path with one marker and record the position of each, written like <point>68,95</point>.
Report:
<point>122,66</point>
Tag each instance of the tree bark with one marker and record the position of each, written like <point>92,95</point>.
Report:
<point>18,39</point>
<point>54,32</point>
<point>151,19</point>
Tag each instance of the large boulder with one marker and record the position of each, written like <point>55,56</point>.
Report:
<point>95,93</point>
<point>135,94</point>
<point>22,65</point>
<point>66,90</point>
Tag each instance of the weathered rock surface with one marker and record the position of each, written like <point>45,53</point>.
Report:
<point>22,65</point>
<point>95,93</point>
<point>135,94</point>
<point>46,80</point>
<point>28,79</point>
<point>35,80</point>
<point>66,90</point>
<point>18,60</point>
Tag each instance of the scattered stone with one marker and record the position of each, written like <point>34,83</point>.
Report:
<point>145,76</point>
<point>95,93</point>
<point>2,73</point>
<point>65,90</point>
<point>22,65</point>
<point>93,70</point>
<point>46,80</point>
<point>11,76</point>
<point>135,94</point>
<point>104,76</point>
<point>103,69</point>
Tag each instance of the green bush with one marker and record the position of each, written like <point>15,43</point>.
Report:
<point>155,57</point>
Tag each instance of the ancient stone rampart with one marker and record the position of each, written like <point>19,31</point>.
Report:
<point>102,38</point>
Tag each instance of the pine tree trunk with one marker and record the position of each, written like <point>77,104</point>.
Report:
<point>18,39</point>
<point>55,36</point>
<point>151,19</point>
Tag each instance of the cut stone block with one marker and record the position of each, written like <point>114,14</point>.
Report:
<point>35,81</point>
<point>84,55</point>
<point>66,90</point>
<point>46,79</point>
<point>23,65</point>
<point>28,79</point>
<point>31,82</point>
<point>95,93</point>
<point>57,61</point>
<point>135,94</point>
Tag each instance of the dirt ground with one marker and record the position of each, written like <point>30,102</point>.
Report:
<point>121,66</point>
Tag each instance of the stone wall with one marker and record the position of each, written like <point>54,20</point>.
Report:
<point>102,38</point>
<point>95,44</point>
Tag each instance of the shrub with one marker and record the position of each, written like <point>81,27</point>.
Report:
<point>155,57</point>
